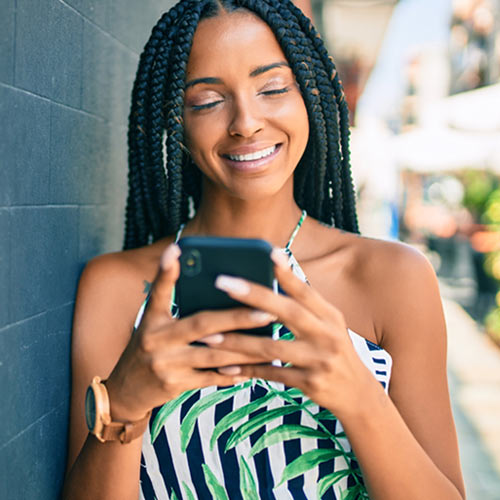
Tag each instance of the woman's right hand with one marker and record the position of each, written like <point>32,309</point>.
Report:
<point>159,363</point>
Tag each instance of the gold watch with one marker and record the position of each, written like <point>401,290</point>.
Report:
<point>99,421</point>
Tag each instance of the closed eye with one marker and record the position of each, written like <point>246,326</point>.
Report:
<point>276,91</point>
<point>199,107</point>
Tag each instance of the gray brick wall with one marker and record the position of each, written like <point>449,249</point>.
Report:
<point>66,70</point>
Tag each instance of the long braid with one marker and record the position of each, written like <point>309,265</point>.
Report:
<point>174,124</point>
<point>160,189</point>
<point>140,210</point>
<point>348,195</point>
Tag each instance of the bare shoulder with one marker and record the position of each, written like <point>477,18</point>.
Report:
<point>392,284</point>
<point>110,292</point>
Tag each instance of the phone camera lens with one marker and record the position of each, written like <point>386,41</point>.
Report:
<point>191,263</point>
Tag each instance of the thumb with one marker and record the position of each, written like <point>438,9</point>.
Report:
<point>161,291</point>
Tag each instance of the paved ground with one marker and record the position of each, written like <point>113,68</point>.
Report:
<point>474,373</point>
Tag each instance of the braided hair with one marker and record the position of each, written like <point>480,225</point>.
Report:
<point>163,180</point>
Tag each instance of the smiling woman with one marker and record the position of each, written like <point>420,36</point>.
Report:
<point>349,398</point>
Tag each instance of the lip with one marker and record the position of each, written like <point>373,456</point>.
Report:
<point>251,165</point>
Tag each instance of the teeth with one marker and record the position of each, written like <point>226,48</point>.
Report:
<point>253,156</point>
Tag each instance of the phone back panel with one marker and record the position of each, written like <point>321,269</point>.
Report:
<point>205,258</point>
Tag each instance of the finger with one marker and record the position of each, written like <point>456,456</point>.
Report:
<point>207,357</point>
<point>301,291</point>
<point>205,323</point>
<point>291,313</point>
<point>160,300</point>
<point>298,352</point>
<point>290,376</point>
<point>209,378</point>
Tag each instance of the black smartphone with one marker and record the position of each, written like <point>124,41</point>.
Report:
<point>204,258</point>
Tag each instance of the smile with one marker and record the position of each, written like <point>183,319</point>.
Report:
<point>253,156</point>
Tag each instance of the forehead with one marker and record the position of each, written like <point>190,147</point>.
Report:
<point>232,41</point>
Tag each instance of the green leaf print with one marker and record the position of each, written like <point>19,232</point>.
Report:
<point>327,481</point>
<point>189,421</point>
<point>307,461</point>
<point>230,419</point>
<point>216,489</point>
<point>287,336</point>
<point>189,493</point>
<point>285,433</point>
<point>166,410</point>
<point>355,493</point>
<point>248,487</point>
<point>251,426</point>
<point>326,415</point>
<point>173,496</point>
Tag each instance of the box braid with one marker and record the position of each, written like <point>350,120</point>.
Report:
<point>160,189</point>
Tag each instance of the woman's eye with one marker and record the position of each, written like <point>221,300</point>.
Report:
<point>208,105</point>
<point>275,91</point>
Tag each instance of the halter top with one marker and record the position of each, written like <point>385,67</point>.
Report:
<point>254,440</point>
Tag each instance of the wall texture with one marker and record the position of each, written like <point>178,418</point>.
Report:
<point>66,70</point>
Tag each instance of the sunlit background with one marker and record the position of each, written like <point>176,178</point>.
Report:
<point>422,82</point>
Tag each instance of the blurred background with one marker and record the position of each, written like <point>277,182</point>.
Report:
<point>422,79</point>
<point>422,82</point>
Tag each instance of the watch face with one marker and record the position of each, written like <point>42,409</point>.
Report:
<point>90,410</point>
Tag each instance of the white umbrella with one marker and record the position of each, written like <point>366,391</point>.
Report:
<point>444,149</point>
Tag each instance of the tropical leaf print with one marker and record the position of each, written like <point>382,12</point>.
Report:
<point>253,425</point>
<point>206,402</point>
<point>216,489</point>
<point>187,490</point>
<point>248,487</point>
<point>285,433</point>
<point>165,411</point>
<point>328,481</point>
<point>307,461</point>
<point>230,419</point>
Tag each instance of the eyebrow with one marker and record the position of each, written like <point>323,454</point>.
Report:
<point>256,72</point>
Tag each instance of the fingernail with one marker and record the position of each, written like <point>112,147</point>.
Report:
<point>171,253</point>
<point>216,338</point>
<point>279,258</point>
<point>233,285</point>
<point>230,370</point>
<point>262,316</point>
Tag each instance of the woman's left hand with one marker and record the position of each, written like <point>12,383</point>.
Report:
<point>325,365</point>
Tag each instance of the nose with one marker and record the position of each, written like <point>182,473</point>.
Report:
<point>246,120</point>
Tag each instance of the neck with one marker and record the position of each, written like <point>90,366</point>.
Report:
<point>272,219</point>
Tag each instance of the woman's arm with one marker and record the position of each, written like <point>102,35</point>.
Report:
<point>103,322</point>
<point>406,446</point>
<point>407,443</point>
<point>143,370</point>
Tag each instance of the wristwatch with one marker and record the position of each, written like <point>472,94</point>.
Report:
<point>99,420</point>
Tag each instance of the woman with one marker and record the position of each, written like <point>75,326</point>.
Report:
<point>256,146</point>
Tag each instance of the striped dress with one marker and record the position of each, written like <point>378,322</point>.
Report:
<point>255,440</point>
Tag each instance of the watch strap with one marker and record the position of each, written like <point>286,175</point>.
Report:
<point>125,432</point>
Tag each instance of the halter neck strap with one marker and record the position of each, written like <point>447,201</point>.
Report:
<point>288,245</point>
<point>296,230</point>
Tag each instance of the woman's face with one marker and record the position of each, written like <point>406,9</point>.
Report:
<point>246,124</point>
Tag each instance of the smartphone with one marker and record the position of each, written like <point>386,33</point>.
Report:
<point>204,258</point>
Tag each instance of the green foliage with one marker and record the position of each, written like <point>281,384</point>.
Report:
<point>479,185</point>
